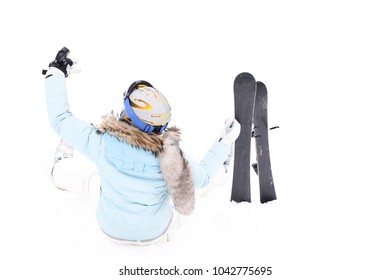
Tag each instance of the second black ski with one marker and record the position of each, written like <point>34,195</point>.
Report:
<point>260,132</point>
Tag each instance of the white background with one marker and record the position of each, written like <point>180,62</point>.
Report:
<point>326,66</point>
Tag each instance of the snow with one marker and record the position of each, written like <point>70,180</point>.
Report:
<point>326,69</point>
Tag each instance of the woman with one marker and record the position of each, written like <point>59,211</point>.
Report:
<point>144,176</point>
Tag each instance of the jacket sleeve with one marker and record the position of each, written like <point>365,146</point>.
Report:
<point>205,170</point>
<point>77,133</point>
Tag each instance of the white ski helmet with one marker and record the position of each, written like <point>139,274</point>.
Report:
<point>147,107</point>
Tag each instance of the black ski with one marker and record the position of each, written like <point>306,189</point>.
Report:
<point>260,132</point>
<point>244,96</point>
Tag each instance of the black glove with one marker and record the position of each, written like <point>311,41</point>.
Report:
<point>62,63</point>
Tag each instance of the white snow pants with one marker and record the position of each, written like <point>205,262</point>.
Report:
<point>78,175</point>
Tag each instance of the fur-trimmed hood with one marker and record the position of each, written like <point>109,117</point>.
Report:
<point>132,135</point>
<point>173,165</point>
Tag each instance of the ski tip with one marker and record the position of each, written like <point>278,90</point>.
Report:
<point>260,85</point>
<point>245,75</point>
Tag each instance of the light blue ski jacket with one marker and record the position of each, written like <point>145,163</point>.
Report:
<point>134,202</point>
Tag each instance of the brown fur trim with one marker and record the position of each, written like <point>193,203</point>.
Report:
<point>135,137</point>
<point>177,173</point>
